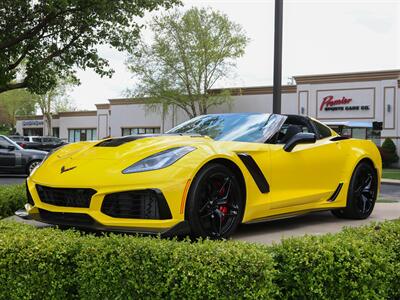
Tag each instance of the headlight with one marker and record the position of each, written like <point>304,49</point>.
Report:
<point>160,160</point>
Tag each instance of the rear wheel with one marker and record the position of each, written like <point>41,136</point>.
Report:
<point>215,203</point>
<point>362,193</point>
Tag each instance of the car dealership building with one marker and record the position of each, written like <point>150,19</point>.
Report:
<point>362,97</point>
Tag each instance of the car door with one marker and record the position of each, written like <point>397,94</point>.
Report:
<point>7,155</point>
<point>305,176</point>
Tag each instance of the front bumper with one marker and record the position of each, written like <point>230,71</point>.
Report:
<point>66,220</point>
<point>92,218</point>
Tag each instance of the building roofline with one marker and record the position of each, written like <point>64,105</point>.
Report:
<point>256,90</point>
<point>124,101</point>
<point>103,105</point>
<point>348,77</point>
<point>27,117</point>
<point>83,113</point>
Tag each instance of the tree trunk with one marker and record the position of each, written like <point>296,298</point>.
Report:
<point>48,121</point>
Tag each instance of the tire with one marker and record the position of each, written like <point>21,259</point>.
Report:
<point>31,166</point>
<point>362,193</point>
<point>215,203</point>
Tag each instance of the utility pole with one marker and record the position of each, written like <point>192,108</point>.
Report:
<point>277,89</point>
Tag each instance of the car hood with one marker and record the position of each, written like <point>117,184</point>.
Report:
<point>127,148</point>
<point>89,158</point>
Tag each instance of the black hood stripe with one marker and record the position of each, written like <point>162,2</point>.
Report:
<point>115,142</point>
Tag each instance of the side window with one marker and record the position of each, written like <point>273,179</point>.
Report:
<point>37,140</point>
<point>323,130</point>
<point>4,143</point>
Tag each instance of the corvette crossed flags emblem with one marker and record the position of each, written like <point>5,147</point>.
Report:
<point>64,169</point>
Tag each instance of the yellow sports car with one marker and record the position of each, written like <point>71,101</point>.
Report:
<point>206,176</point>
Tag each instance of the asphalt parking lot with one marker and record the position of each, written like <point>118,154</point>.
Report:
<point>314,223</point>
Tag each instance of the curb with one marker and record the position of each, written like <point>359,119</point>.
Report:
<point>390,181</point>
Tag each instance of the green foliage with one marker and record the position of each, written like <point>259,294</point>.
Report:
<point>389,152</point>
<point>190,52</point>
<point>45,39</point>
<point>12,198</point>
<point>357,263</point>
<point>18,103</point>
<point>53,264</point>
<point>5,130</point>
<point>343,266</point>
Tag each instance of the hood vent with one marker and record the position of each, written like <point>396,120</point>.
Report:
<point>120,141</point>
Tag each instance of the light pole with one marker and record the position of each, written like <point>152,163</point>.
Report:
<point>277,89</point>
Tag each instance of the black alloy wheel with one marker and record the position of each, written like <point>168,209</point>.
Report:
<point>362,194</point>
<point>215,203</point>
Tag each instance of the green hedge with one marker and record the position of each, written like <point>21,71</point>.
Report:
<point>12,198</point>
<point>360,263</point>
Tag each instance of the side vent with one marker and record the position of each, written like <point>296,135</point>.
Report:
<point>336,193</point>
<point>255,172</point>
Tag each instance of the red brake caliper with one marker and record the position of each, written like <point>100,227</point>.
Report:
<point>223,208</point>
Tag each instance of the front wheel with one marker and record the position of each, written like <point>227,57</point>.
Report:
<point>215,203</point>
<point>31,166</point>
<point>362,193</point>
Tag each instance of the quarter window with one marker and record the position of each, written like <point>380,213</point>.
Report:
<point>323,131</point>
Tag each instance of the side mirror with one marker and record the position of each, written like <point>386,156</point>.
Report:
<point>299,138</point>
<point>11,148</point>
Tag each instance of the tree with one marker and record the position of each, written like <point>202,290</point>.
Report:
<point>55,101</point>
<point>17,102</point>
<point>190,52</point>
<point>42,40</point>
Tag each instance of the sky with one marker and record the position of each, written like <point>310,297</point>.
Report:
<point>319,37</point>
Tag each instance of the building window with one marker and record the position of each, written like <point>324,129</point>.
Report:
<point>140,130</point>
<point>79,135</point>
<point>56,131</point>
<point>33,131</point>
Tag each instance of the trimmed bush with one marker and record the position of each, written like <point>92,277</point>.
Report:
<point>12,198</point>
<point>334,267</point>
<point>389,152</point>
<point>358,263</point>
<point>53,264</point>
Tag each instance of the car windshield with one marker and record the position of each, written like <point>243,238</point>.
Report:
<point>10,142</point>
<point>256,128</point>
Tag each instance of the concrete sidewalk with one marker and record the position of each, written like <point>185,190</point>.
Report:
<point>312,224</point>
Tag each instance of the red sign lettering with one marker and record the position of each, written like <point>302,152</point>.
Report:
<point>328,101</point>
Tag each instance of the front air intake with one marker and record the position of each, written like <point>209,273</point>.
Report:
<point>67,197</point>
<point>141,204</point>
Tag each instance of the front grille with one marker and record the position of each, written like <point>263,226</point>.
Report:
<point>65,218</point>
<point>142,204</point>
<point>66,197</point>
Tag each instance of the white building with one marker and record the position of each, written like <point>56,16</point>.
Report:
<point>363,96</point>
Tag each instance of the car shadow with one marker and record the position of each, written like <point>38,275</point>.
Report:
<point>300,224</point>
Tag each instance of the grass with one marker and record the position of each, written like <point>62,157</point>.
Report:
<point>382,200</point>
<point>391,173</point>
